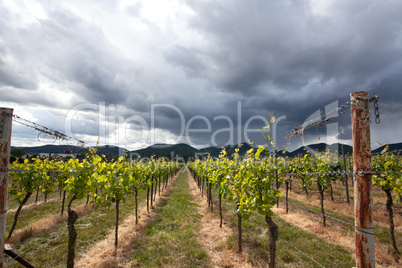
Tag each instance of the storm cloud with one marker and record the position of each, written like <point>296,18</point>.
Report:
<point>145,67</point>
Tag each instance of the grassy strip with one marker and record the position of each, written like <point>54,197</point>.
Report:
<point>11,202</point>
<point>339,190</point>
<point>171,240</point>
<point>91,228</point>
<point>256,243</point>
<point>349,219</point>
<point>381,233</point>
<point>36,212</point>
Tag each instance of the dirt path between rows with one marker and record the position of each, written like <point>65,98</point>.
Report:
<point>102,254</point>
<point>214,239</point>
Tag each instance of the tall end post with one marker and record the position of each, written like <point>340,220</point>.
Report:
<point>363,195</point>
<point>5,145</point>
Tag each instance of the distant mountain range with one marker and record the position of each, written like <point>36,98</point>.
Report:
<point>395,147</point>
<point>186,151</point>
<point>109,150</point>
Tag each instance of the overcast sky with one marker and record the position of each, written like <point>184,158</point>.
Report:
<point>201,72</point>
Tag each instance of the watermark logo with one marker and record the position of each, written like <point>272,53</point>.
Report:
<point>321,120</point>
<point>107,122</point>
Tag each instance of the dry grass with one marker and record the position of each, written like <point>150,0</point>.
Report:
<point>304,222</point>
<point>384,251</point>
<point>33,205</point>
<point>48,223</point>
<point>214,239</point>
<point>380,213</point>
<point>336,234</point>
<point>103,253</point>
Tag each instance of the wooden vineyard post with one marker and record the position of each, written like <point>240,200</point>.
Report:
<point>346,176</point>
<point>276,179</point>
<point>239,231</point>
<point>5,143</point>
<point>363,195</point>
<point>273,236</point>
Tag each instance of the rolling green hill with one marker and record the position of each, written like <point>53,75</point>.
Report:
<point>186,151</point>
<point>107,150</point>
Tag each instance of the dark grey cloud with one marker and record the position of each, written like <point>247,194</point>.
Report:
<point>281,56</point>
<point>68,49</point>
<point>12,73</point>
<point>188,59</point>
<point>285,43</point>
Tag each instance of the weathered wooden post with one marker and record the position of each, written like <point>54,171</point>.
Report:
<point>346,176</point>
<point>276,179</point>
<point>364,224</point>
<point>5,142</point>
